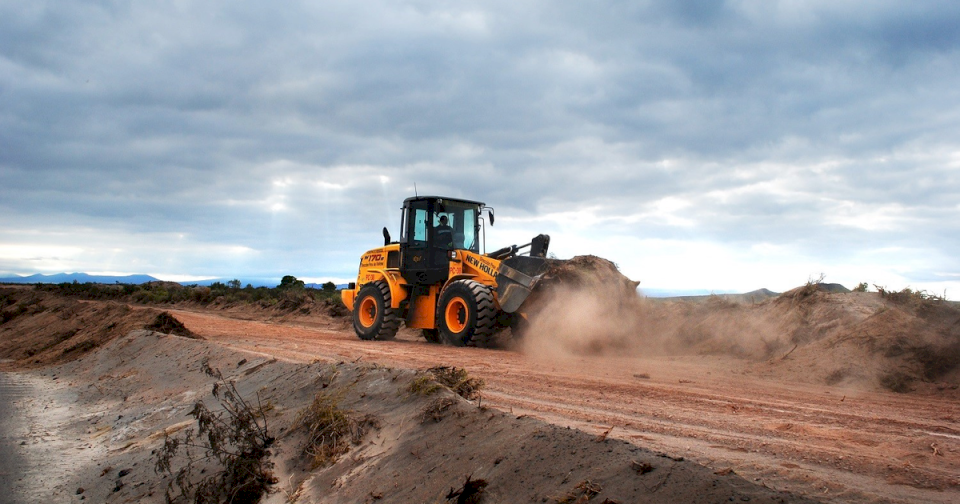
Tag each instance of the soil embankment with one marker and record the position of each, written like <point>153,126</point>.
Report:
<point>139,388</point>
<point>782,418</point>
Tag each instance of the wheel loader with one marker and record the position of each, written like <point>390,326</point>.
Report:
<point>436,277</point>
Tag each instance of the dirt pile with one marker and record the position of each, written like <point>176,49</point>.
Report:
<point>898,341</point>
<point>168,324</point>
<point>582,305</point>
<point>137,390</point>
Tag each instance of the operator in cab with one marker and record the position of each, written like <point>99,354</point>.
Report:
<point>443,234</point>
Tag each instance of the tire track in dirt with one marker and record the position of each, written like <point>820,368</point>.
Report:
<point>854,446</point>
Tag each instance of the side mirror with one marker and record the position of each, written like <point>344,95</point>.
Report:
<point>386,236</point>
<point>490,214</point>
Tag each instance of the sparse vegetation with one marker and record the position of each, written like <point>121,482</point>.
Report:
<point>812,286</point>
<point>290,294</point>
<point>583,492</point>
<point>330,429</point>
<point>454,378</point>
<point>290,282</point>
<point>8,315</point>
<point>235,439</point>
<point>861,287</point>
<point>425,384</point>
<point>437,410</point>
<point>909,297</point>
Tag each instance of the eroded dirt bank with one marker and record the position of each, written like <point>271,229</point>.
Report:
<point>795,405</point>
<point>106,413</point>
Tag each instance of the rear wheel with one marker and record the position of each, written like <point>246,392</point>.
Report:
<point>466,314</point>
<point>373,318</point>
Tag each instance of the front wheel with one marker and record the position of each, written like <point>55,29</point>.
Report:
<point>466,314</point>
<point>373,318</point>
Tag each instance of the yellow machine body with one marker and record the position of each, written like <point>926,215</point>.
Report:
<point>383,264</point>
<point>435,277</point>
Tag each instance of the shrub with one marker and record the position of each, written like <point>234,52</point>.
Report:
<point>290,282</point>
<point>235,438</point>
<point>454,378</point>
<point>330,429</point>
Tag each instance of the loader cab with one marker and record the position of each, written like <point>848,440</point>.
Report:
<point>425,244</point>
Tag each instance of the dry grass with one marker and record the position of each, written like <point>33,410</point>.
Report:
<point>909,297</point>
<point>331,430</point>
<point>583,492</point>
<point>437,410</point>
<point>454,378</point>
<point>425,384</point>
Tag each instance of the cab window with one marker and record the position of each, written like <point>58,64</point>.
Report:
<point>419,226</point>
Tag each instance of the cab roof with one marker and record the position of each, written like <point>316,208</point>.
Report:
<point>444,198</point>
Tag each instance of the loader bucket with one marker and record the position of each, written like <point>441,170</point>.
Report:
<point>516,279</point>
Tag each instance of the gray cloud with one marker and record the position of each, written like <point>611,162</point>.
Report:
<point>290,135</point>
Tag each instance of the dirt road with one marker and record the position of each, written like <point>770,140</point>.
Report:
<point>830,443</point>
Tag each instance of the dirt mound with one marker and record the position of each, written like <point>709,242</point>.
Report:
<point>168,324</point>
<point>898,341</point>
<point>581,305</point>
<point>139,396</point>
<point>590,272</point>
<point>38,328</point>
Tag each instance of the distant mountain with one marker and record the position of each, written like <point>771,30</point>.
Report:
<point>833,287</point>
<point>79,278</point>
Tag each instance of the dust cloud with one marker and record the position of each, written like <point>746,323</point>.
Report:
<point>586,307</point>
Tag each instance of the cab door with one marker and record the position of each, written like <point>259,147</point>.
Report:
<point>421,263</point>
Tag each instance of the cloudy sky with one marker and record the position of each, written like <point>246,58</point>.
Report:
<point>698,144</point>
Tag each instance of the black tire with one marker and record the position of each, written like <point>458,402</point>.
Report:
<point>373,318</point>
<point>466,313</point>
<point>432,336</point>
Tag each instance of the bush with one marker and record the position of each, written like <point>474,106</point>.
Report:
<point>291,295</point>
<point>330,430</point>
<point>909,297</point>
<point>454,378</point>
<point>290,282</point>
<point>236,439</point>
